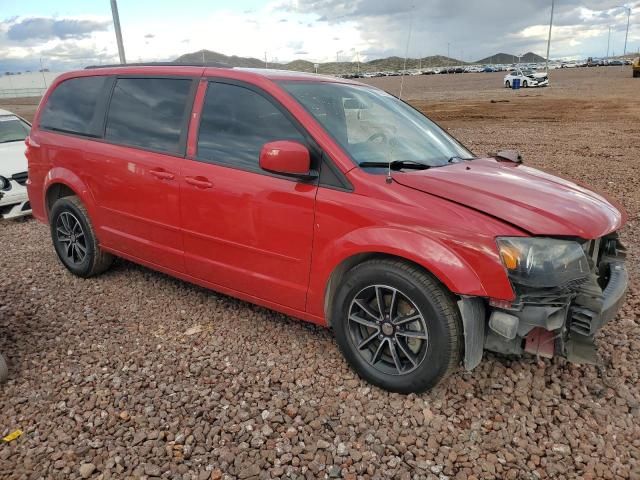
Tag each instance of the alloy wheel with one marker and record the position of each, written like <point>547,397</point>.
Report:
<point>388,330</point>
<point>71,238</point>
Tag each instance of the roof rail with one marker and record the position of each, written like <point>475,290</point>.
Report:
<point>163,64</point>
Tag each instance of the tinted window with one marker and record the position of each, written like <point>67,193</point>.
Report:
<point>237,122</point>
<point>72,106</point>
<point>148,113</point>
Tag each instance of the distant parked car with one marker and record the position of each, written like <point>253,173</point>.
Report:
<point>13,166</point>
<point>528,78</point>
<point>616,63</point>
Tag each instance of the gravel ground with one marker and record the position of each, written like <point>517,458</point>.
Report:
<point>134,374</point>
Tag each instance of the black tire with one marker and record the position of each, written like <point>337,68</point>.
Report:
<point>636,74</point>
<point>81,254</point>
<point>525,84</point>
<point>4,371</point>
<point>418,364</point>
<point>507,84</point>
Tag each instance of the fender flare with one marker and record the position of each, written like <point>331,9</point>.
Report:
<point>63,176</point>
<point>445,264</point>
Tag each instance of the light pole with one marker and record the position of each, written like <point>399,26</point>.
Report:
<point>116,26</point>
<point>553,4</point>
<point>608,43</point>
<point>626,36</point>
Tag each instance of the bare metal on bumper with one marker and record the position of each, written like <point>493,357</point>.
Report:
<point>562,321</point>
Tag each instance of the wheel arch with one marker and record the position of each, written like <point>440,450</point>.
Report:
<point>348,263</point>
<point>60,183</point>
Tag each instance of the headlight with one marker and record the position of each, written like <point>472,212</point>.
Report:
<point>4,183</point>
<point>542,262</point>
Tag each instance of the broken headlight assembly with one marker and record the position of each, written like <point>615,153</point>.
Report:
<point>542,262</point>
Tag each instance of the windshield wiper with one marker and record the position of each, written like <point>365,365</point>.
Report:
<point>9,141</point>
<point>397,165</point>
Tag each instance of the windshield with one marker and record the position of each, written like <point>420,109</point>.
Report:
<point>12,129</point>
<point>373,126</point>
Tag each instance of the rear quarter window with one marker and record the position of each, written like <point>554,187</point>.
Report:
<point>71,107</point>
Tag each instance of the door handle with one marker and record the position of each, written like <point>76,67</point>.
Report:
<point>199,182</point>
<point>162,174</point>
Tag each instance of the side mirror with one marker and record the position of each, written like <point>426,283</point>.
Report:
<point>288,158</point>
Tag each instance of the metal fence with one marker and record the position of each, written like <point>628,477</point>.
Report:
<point>21,92</point>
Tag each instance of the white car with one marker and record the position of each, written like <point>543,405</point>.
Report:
<point>13,166</point>
<point>528,78</point>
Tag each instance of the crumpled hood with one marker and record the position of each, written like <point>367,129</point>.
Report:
<point>12,159</point>
<point>530,199</point>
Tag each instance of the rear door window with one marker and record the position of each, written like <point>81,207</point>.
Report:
<point>151,113</point>
<point>236,123</point>
<point>72,107</point>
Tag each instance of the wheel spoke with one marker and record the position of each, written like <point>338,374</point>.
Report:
<point>362,321</point>
<point>65,221</point>
<point>380,302</point>
<point>378,354</point>
<point>412,334</point>
<point>69,248</point>
<point>396,358</point>
<point>81,248</point>
<point>366,309</point>
<point>394,304</point>
<point>407,354</point>
<point>79,252</point>
<point>63,231</point>
<point>76,224</point>
<point>368,340</point>
<point>402,320</point>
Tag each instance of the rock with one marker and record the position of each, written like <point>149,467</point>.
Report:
<point>323,444</point>
<point>248,471</point>
<point>87,469</point>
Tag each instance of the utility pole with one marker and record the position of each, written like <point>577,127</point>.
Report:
<point>116,26</point>
<point>553,4</point>
<point>448,49</point>
<point>608,43</point>
<point>44,80</point>
<point>266,65</point>
<point>626,35</point>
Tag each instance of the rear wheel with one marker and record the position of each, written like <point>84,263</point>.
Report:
<point>507,84</point>
<point>525,84</point>
<point>74,239</point>
<point>397,326</point>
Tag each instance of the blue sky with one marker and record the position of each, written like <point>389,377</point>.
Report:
<point>71,33</point>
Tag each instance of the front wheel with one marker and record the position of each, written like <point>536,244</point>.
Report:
<point>525,84</point>
<point>397,326</point>
<point>507,84</point>
<point>74,239</point>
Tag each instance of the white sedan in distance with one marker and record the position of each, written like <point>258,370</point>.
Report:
<point>13,166</point>
<point>528,78</point>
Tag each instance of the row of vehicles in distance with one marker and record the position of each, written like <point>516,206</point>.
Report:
<point>555,65</point>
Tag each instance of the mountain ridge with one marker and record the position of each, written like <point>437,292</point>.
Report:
<point>378,64</point>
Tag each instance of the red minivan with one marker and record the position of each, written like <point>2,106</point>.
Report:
<point>331,201</point>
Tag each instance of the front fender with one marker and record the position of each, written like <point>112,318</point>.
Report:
<point>454,262</point>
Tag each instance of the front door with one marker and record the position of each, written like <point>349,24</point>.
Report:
<point>245,229</point>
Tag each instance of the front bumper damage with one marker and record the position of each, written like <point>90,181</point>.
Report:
<point>557,321</point>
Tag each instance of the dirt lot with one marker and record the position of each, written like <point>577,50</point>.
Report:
<point>135,374</point>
